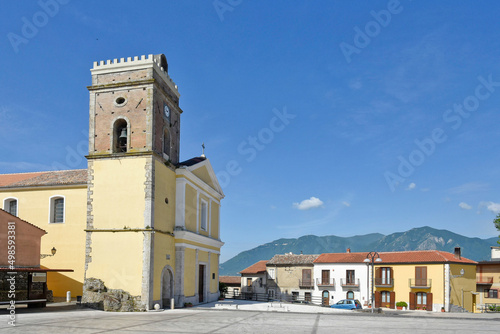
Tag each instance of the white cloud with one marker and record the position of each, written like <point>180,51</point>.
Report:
<point>411,186</point>
<point>311,203</point>
<point>346,203</point>
<point>465,206</point>
<point>469,187</point>
<point>493,207</point>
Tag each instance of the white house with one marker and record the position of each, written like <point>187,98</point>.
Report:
<point>341,276</point>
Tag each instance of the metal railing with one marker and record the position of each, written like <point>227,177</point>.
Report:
<point>309,284</point>
<point>484,280</point>
<point>322,282</point>
<point>284,298</point>
<point>384,282</point>
<point>420,283</point>
<point>349,283</point>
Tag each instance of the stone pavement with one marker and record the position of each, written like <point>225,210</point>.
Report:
<point>251,317</point>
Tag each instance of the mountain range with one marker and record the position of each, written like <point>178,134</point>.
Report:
<point>422,238</point>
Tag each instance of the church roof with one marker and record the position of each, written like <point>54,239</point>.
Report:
<point>51,178</point>
<point>191,162</point>
<point>255,268</point>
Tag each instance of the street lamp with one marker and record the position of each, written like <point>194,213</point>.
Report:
<point>53,251</point>
<point>372,257</point>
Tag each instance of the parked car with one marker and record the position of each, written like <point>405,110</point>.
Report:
<point>348,304</point>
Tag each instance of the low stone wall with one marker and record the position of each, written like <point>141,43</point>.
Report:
<point>97,296</point>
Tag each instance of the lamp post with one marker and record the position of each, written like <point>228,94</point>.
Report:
<point>53,251</point>
<point>371,258</point>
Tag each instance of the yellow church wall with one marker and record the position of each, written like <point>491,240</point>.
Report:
<point>189,272</point>
<point>202,173</point>
<point>163,245</point>
<point>465,283</point>
<point>113,199</point>
<point>164,189</point>
<point>214,211</point>
<point>191,214</point>
<point>68,238</point>
<point>111,264</point>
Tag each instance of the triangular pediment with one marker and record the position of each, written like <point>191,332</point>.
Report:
<point>202,169</point>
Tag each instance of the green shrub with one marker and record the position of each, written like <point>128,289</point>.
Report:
<point>401,304</point>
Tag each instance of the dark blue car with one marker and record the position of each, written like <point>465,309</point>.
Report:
<point>348,304</point>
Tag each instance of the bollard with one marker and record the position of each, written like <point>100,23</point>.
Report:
<point>172,303</point>
<point>68,296</point>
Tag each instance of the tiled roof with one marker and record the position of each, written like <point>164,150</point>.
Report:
<point>53,178</point>
<point>429,256</point>
<point>293,259</point>
<point>230,279</point>
<point>9,216</point>
<point>255,268</point>
<point>192,161</point>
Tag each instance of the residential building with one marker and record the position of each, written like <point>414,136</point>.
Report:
<point>22,279</point>
<point>488,281</point>
<point>428,280</point>
<point>254,279</point>
<point>291,276</point>
<point>233,284</point>
<point>137,218</point>
<point>341,276</point>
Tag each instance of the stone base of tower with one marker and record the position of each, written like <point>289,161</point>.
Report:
<point>97,296</point>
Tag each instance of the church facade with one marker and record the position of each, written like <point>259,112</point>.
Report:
<point>136,218</point>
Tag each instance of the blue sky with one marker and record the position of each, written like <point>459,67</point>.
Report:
<point>319,117</point>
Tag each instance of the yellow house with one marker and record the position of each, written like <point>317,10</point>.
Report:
<point>137,219</point>
<point>425,280</point>
<point>488,282</point>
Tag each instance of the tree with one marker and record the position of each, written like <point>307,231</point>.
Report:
<point>222,289</point>
<point>497,225</point>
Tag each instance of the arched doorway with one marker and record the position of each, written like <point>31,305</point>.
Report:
<point>167,286</point>
<point>326,298</point>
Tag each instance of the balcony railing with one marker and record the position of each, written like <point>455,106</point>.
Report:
<point>306,284</point>
<point>485,280</point>
<point>349,283</point>
<point>420,283</point>
<point>322,282</point>
<point>384,282</point>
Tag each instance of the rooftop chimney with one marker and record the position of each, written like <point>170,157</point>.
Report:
<point>348,250</point>
<point>458,253</point>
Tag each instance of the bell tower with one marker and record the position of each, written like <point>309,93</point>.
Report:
<point>134,135</point>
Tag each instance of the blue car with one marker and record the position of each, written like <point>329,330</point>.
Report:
<point>348,304</point>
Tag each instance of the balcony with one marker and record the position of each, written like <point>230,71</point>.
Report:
<point>384,282</point>
<point>325,283</point>
<point>420,283</point>
<point>484,280</point>
<point>349,284</point>
<point>306,284</point>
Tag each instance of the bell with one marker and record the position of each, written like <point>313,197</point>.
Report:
<point>123,134</point>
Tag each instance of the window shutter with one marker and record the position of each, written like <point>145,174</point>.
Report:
<point>378,273</point>
<point>378,298</point>
<point>429,302</point>
<point>412,300</point>
<point>393,299</point>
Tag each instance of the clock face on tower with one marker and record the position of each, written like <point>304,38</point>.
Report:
<point>166,111</point>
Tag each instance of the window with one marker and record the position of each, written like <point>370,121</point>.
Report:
<point>166,145</point>
<point>325,277</point>
<point>295,295</point>
<point>249,281</point>
<point>270,293</point>
<point>385,274</point>
<point>307,296</point>
<point>350,295</point>
<point>10,205</point>
<point>386,297</point>
<point>120,136</point>
<point>271,273</point>
<point>204,215</point>
<point>350,277</point>
<point>421,299</point>
<point>491,293</point>
<point>57,207</point>
<point>306,277</point>
<point>420,276</point>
